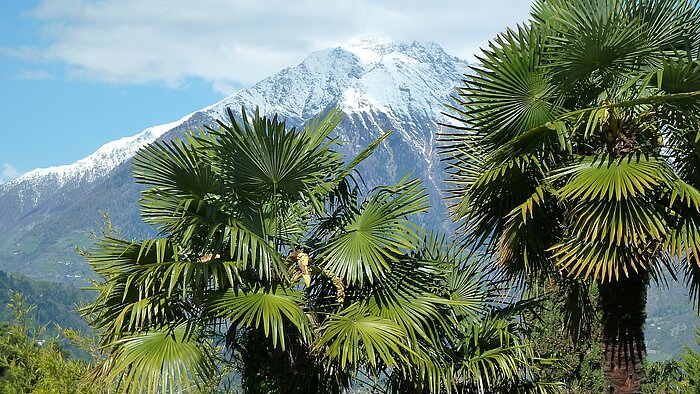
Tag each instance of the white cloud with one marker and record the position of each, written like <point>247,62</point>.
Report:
<point>35,74</point>
<point>9,172</point>
<point>229,43</point>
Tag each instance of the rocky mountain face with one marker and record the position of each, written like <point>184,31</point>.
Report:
<point>379,85</point>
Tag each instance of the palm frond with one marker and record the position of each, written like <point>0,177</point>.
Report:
<point>513,181</point>
<point>684,146</point>
<point>528,232</point>
<point>375,234</point>
<point>262,160</point>
<point>404,297</point>
<point>601,261</point>
<point>593,42</point>
<point>159,360</point>
<point>606,178</point>
<point>269,309</point>
<point>493,357</point>
<point>670,26</point>
<point>355,335</point>
<point>683,241</point>
<point>509,94</point>
<point>182,185</point>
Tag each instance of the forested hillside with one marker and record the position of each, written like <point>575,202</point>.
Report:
<point>55,303</point>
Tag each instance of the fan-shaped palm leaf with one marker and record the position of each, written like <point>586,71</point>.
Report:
<point>594,42</point>
<point>608,178</point>
<point>182,184</point>
<point>355,335</point>
<point>492,356</point>
<point>266,308</point>
<point>514,95</point>
<point>375,234</point>
<point>159,360</point>
<point>262,160</point>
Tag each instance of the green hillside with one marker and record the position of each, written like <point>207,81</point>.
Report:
<point>55,303</point>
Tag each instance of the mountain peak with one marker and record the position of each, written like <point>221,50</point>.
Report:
<point>364,75</point>
<point>379,85</point>
<point>369,50</point>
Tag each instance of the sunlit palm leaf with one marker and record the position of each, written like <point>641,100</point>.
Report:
<point>462,283</point>
<point>269,309</point>
<point>633,222</point>
<point>177,166</point>
<point>593,41</point>
<point>159,360</point>
<point>375,234</point>
<point>509,97</point>
<point>262,160</point>
<point>404,297</point>
<point>355,335</point>
<point>606,178</point>
<point>603,261</point>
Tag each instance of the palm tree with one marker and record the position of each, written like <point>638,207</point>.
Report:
<point>273,259</point>
<point>577,156</point>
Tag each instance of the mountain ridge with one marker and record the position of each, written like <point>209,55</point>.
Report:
<point>380,85</point>
<point>368,55</point>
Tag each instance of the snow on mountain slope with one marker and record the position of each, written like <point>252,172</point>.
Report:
<point>104,159</point>
<point>363,76</point>
<point>380,85</point>
<point>44,183</point>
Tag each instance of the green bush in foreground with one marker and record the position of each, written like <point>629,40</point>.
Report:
<point>32,363</point>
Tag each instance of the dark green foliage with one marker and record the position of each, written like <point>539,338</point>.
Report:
<point>667,377</point>
<point>33,362</point>
<point>678,375</point>
<point>690,366</point>
<point>577,361</point>
<point>55,303</point>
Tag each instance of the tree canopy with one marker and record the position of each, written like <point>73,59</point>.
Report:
<point>577,157</point>
<point>275,261</point>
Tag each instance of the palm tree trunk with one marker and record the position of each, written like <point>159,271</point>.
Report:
<point>624,311</point>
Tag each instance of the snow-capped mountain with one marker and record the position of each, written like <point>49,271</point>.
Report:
<point>34,185</point>
<point>363,76</point>
<point>104,159</point>
<point>379,85</point>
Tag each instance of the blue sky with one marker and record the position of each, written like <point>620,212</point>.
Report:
<point>75,74</point>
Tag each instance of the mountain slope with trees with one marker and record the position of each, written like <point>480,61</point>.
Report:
<point>55,303</point>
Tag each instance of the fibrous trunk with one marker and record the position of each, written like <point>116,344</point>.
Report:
<point>624,311</point>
